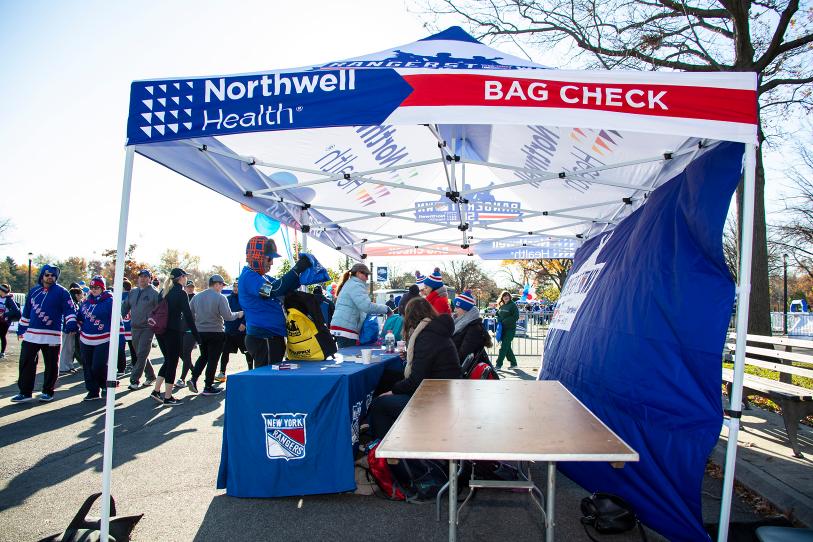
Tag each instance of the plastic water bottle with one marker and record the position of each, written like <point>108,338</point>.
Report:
<point>389,342</point>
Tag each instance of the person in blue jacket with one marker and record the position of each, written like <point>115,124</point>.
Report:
<point>48,310</point>
<point>9,312</point>
<point>94,336</point>
<point>261,299</point>
<point>352,306</point>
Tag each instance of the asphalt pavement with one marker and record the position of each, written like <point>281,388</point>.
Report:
<point>165,466</point>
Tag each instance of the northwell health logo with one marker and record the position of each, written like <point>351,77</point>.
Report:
<point>168,108</point>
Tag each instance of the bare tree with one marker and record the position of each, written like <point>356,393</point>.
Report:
<point>794,235</point>
<point>769,37</point>
<point>5,227</point>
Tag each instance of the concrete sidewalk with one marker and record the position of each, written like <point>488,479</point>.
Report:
<point>766,465</point>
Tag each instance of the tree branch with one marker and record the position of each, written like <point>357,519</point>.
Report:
<point>778,36</point>
<point>773,83</point>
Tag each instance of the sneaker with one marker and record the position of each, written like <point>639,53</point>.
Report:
<point>2,355</point>
<point>149,382</point>
<point>180,383</point>
<point>120,375</point>
<point>221,377</point>
<point>20,398</point>
<point>156,395</point>
<point>65,373</point>
<point>134,387</point>
<point>513,366</point>
<point>91,397</point>
<point>171,401</point>
<point>46,397</point>
<point>211,390</point>
<point>192,385</point>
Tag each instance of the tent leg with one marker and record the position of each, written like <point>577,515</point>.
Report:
<point>112,356</point>
<point>743,298</point>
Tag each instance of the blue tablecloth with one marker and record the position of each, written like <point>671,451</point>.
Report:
<point>293,432</point>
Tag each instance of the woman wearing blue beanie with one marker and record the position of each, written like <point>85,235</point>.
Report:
<point>470,337</point>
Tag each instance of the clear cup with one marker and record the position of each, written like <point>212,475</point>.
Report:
<point>366,355</point>
<point>400,346</point>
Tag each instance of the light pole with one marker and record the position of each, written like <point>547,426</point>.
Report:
<point>785,295</point>
<point>29,272</point>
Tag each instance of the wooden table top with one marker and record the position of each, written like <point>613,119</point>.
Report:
<point>505,420</point>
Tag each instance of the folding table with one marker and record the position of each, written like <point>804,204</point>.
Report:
<point>501,420</point>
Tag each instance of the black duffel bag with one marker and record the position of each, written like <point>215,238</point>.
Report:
<point>608,514</point>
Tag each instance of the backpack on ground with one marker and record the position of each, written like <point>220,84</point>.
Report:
<point>308,336</point>
<point>159,317</point>
<point>382,475</point>
<point>410,480</point>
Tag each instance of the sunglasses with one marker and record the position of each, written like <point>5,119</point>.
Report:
<point>48,275</point>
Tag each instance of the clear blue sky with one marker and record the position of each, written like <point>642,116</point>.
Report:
<point>66,71</point>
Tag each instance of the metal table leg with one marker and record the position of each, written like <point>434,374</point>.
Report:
<point>550,498</point>
<point>452,500</point>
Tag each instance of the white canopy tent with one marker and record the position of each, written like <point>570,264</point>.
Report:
<point>443,144</point>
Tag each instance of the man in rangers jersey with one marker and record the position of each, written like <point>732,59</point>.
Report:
<point>46,307</point>
<point>94,317</point>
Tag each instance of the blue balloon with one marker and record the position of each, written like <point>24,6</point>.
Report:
<point>265,225</point>
<point>286,178</point>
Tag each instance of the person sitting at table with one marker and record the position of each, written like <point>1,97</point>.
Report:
<point>470,337</point>
<point>430,354</point>
<point>352,306</point>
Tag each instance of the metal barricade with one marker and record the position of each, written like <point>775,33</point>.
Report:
<point>529,341</point>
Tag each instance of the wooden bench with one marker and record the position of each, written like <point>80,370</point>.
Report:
<point>795,402</point>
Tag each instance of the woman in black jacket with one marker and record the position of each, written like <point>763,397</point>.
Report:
<point>430,354</point>
<point>470,337</point>
<point>170,340</point>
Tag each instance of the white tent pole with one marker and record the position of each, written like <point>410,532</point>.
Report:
<point>743,298</point>
<point>113,350</point>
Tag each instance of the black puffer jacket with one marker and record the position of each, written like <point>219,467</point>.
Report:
<point>180,314</point>
<point>435,356</point>
<point>470,340</point>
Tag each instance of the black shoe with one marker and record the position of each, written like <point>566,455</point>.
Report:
<point>156,395</point>
<point>192,386</point>
<point>91,397</point>
<point>513,366</point>
<point>171,401</point>
<point>211,390</point>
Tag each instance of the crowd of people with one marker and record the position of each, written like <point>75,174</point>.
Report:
<point>68,325</point>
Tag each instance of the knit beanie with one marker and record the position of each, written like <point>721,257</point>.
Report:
<point>97,281</point>
<point>464,301</point>
<point>419,278</point>
<point>434,280</point>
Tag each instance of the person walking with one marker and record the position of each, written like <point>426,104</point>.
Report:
<point>261,300</point>
<point>139,303</point>
<point>325,305</point>
<point>127,336</point>
<point>188,343</point>
<point>71,346</point>
<point>470,337</point>
<point>235,335</point>
<point>435,292</point>
<point>352,306</point>
<point>170,341</point>
<point>210,309</point>
<point>507,315</point>
<point>48,311</point>
<point>9,312</point>
<point>94,319</point>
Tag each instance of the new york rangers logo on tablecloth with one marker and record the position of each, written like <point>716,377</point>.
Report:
<point>285,436</point>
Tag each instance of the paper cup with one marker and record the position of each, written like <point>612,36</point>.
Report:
<point>401,346</point>
<point>366,356</point>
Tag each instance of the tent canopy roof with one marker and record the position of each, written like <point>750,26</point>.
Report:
<point>441,146</point>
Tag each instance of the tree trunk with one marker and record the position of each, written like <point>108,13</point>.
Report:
<point>759,313</point>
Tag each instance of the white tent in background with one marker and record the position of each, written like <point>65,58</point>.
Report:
<point>443,145</point>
